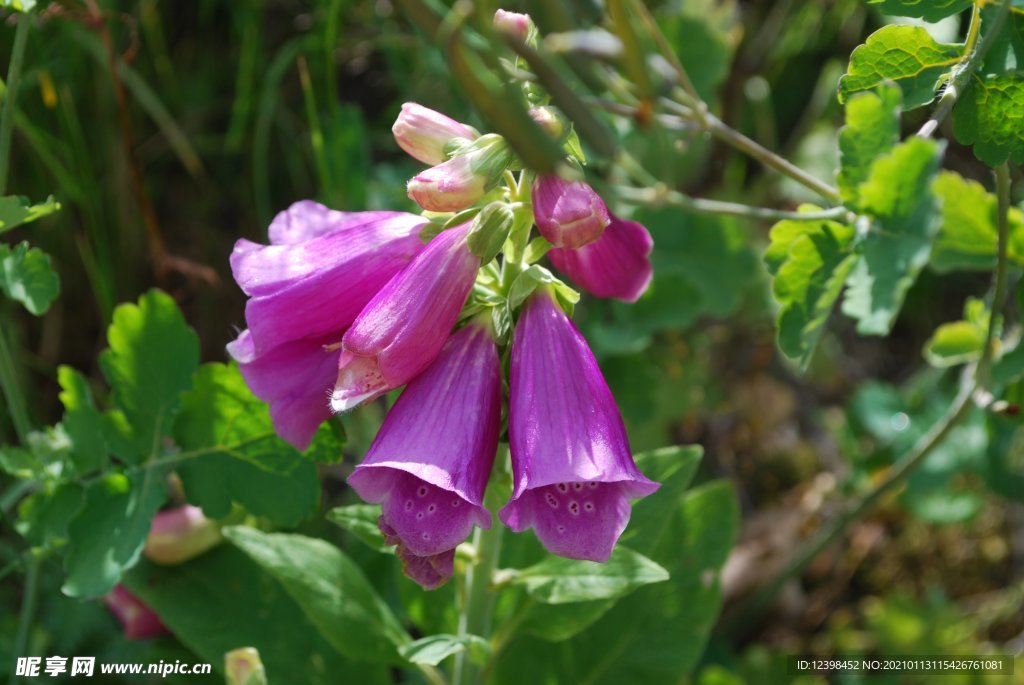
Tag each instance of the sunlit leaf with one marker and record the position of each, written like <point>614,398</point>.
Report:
<point>27,276</point>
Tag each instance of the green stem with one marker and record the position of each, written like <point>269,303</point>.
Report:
<point>662,195</point>
<point>28,610</point>
<point>478,608</point>
<point>13,79</point>
<point>961,77</point>
<point>12,390</point>
<point>748,613</point>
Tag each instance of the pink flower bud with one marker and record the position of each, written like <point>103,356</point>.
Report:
<point>513,24</point>
<point>243,666</point>
<point>179,534</point>
<point>424,133</point>
<point>463,179</point>
<point>138,620</point>
<point>568,213</point>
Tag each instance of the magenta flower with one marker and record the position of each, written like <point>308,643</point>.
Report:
<point>179,534</point>
<point>424,133</point>
<point>618,264</point>
<point>573,474</point>
<point>321,270</point>
<point>568,213</point>
<point>404,326</point>
<point>138,620</point>
<point>431,459</point>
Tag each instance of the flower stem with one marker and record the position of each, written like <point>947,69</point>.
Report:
<point>12,391</point>
<point>662,195</point>
<point>478,607</point>
<point>13,79</point>
<point>972,381</point>
<point>28,610</point>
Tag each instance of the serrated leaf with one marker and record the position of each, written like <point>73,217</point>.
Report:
<point>929,10</point>
<point>810,261</point>
<point>907,55</point>
<point>107,535</point>
<point>152,356</point>
<point>990,117</point>
<point>330,589</point>
<point>872,129</point>
<point>968,237</point>
<point>434,649</point>
<point>557,580</point>
<point>82,422</point>
<point>27,276</point>
<point>222,600</point>
<point>16,210</point>
<point>361,520</point>
<point>242,460</point>
<point>898,196</point>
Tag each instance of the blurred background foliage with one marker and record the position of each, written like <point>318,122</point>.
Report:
<point>236,109</point>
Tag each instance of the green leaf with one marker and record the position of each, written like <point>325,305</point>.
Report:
<point>536,276</point>
<point>810,261</point>
<point>152,356</point>
<point>898,196</point>
<point>990,117</point>
<point>674,467</point>
<point>241,460</point>
<point>330,589</point>
<point>558,622</point>
<point>434,649</point>
<point>222,600</point>
<point>82,422</point>
<point>45,515</point>
<point>872,129</point>
<point>557,580</point>
<point>16,210</point>
<point>20,462</point>
<point>27,276</point>
<point>107,535</point>
<point>959,342</point>
<point>929,10</point>
<point>361,521</point>
<point>904,54</point>
<point>968,237</point>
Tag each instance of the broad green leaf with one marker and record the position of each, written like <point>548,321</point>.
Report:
<point>810,261</point>
<point>557,580</point>
<point>239,457</point>
<point>330,589</point>
<point>27,276</point>
<point>959,342</point>
<point>929,10</point>
<point>16,210</point>
<point>82,422</point>
<point>361,521</point>
<point>106,536</point>
<point>558,622</point>
<point>990,116</point>
<point>904,54</point>
<point>152,356</point>
<point>674,467</point>
<point>222,600</point>
<point>659,632</point>
<point>872,129</point>
<point>44,515</point>
<point>968,237</point>
<point>898,197</point>
<point>434,649</point>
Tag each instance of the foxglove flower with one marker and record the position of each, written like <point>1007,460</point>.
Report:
<point>424,133</point>
<point>463,179</point>
<point>403,328</point>
<point>431,459</point>
<point>321,268</point>
<point>572,468</point>
<point>618,264</point>
<point>179,534</point>
<point>138,620</point>
<point>568,213</point>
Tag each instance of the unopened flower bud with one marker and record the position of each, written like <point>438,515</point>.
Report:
<point>138,620</point>
<point>568,213</point>
<point>463,179</point>
<point>552,121</point>
<point>490,230</point>
<point>514,24</point>
<point>424,133</point>
<point>243,666</point>
<point>179,534</point>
